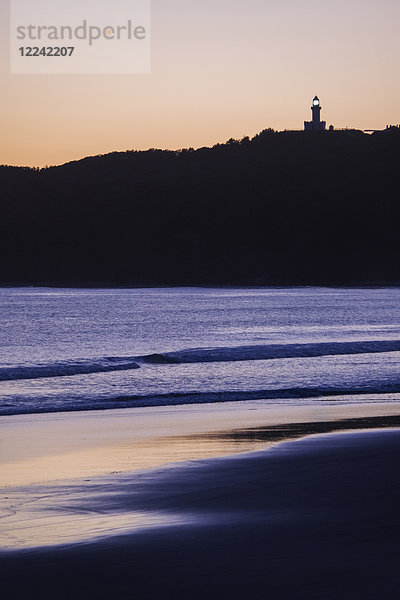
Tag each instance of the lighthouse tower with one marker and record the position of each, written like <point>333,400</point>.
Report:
<point>316,124</point>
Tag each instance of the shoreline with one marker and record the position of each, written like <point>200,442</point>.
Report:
<point>50,461</point>
<point>311,518</point>
<point>46,447</point>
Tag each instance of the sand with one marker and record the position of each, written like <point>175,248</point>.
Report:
<point>315,517</point>
<point>45,448</point>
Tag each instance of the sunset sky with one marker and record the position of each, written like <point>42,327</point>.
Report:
<point>220,69</point>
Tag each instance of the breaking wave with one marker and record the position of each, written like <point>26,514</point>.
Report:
<point>67,368</point>
<point>196,355</point>
<point>327,393</point>
<point>271,351</point>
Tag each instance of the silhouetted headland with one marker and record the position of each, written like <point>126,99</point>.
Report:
<point>282,208</point>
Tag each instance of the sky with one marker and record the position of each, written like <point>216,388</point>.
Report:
<point>220,69</point>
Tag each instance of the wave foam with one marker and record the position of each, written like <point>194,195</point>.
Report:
<point>196,355</point>
<point>67,368</point>
<point>271,351</point>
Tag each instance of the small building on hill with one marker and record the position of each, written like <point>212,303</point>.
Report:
<point>316,124</point>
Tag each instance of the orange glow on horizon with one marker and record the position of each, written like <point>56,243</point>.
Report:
<point>219,70</point>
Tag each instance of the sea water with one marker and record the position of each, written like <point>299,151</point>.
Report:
<point>90,349</point>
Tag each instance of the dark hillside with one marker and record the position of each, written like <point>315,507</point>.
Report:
<point>287,208</point>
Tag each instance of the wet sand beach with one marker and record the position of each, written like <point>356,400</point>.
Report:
<point>315,518</point>
<point>280,503</point>
<point>45,448</point>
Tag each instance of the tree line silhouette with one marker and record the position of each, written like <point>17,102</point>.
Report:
<point>281,208</point>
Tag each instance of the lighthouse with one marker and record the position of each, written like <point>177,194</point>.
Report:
<point>316,124</point>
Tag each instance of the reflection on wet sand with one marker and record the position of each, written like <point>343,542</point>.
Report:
<point>316,512</point>
<point>43,449</point>
<point>64,512</point>
<point>51,512</point>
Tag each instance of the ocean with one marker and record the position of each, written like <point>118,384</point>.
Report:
<point>92,349</point>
